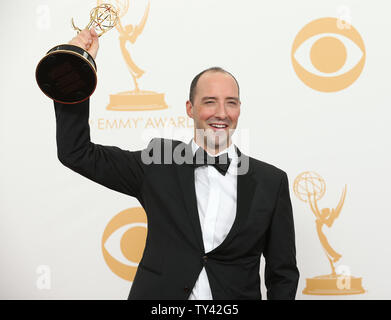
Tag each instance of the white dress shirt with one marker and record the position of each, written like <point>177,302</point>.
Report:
<point>216,202</point>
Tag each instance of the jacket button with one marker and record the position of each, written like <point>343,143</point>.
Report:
<point>205,258</point>
<point>186,289</point>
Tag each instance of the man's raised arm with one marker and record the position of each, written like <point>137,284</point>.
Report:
<point>112,167</point>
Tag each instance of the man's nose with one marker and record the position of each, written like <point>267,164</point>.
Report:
<point>220,112</point>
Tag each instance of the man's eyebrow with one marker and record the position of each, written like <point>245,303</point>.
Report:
<point>208,98</point>
<point>215,98</point>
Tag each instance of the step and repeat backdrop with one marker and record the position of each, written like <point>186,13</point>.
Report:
<point>315,92</point>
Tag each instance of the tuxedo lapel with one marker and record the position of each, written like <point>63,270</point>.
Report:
<point>245,194</point>
<point>186,178</point>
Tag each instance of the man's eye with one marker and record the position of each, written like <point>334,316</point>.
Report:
<point>209,102</point>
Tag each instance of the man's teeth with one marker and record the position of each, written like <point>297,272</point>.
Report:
<point>219,125</point>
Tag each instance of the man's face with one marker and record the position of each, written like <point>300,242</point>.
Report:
<point>215,110</point>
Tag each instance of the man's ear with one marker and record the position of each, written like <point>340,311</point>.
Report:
<point>189,109</point>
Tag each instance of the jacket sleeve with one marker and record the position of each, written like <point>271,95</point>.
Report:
<point>281,273</point>
<point>112,167</point>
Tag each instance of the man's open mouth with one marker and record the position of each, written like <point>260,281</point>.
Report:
<point>218,126</point>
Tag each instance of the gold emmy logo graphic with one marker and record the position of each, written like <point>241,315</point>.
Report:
<point>328,54</point>
<point>136,99</point>
<point>310,188</point>
<point>131,243</point>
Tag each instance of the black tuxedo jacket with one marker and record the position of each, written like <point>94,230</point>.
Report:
<point>174,254</point>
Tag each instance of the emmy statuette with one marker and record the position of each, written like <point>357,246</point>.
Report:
<point>310,187</point>
<point>67,73</point>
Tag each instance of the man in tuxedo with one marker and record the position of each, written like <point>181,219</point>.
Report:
<point>212,211</point>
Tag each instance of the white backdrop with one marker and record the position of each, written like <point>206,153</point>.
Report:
<point>52,220</point>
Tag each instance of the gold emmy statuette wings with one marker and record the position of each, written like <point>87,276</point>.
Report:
<point>335,212</point>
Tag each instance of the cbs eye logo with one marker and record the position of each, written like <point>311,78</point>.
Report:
<point>125,236</point>
<point>337,55</point>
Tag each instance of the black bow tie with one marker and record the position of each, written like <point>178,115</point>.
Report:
<point>202,158</point>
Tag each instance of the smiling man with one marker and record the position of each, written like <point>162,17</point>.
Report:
<point>210,218</point>
<point>214,105</point>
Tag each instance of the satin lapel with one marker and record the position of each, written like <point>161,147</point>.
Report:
<point>186,178</point>
<point>245,194</point>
